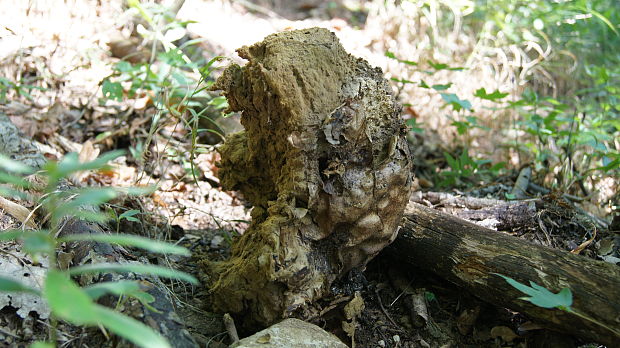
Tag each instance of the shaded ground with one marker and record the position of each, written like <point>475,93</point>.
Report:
<point>61,48</point>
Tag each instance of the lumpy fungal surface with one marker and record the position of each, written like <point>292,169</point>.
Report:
<point>323,160</point>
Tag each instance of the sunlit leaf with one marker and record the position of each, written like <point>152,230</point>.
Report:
<point>405,81</point>
<point>130,240</point>
<point>496,95</point>
<point>441,66</point>
<point>67,301</point>
<point>12,234</point>
<point>119,288</point>
<point>71,164</point>
<point>441,87</point>
<point>456,103</point>
<point>40,344</point>
<point>13,180</point>
<point>10,285</point>
<point>38,242</point>
<point>112,90</point>
<point>541,296</point>
<point>130,329</point>
<point>129,215</point>
<point>393,56</point>
<point>135,268</point>
<point>14,166</point>
<point>90,197</point>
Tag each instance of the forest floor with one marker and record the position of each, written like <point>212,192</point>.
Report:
<point>61,53</point>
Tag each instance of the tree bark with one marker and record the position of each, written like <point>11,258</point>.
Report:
<point>468,255</point>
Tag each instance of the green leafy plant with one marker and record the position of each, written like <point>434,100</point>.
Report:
<point>464,169</point>
<point>20,89</point>
<point>566,121</point>
<point>174,81</point>
<point>540,296</point>
<point>68,301</point>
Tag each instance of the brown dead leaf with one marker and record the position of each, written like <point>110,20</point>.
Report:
<point>503,332</point>
<point>129,50</point>
<point>18,211</point>
<point>15,108</point>
<point>467,319</point>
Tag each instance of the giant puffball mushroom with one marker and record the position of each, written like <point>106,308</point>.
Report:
<point>323,160</point>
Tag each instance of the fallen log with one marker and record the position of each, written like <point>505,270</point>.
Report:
<point>468,255</point>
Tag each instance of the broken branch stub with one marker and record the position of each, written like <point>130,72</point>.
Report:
<point>324,161</point>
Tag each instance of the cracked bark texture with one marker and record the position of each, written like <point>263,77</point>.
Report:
<point>325,163</point>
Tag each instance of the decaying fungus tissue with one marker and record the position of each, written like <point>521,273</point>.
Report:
<point>323,160</point>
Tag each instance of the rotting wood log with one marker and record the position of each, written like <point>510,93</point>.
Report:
<point>21,149</point>
<point>468,255</point>
<point>323,160</point>
<point>506,215</point>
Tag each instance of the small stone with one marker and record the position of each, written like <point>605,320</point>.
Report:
<point>217,242</point>
<point>291,333</point>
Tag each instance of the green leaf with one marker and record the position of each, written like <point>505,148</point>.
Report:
<point>38,242</point>
<point>12,234</point>
<point>90,197</point>
<point>13,166</point>
<point>130,240</point>
<point>393,56</point>
<point>67,301</point>
<point>124,67</point>
<point>390,55</point>
<point>600,17</point>
<point>130,329</point>
<point>172,57</point>
<point>442,87</point>
<point>129,215</point>
<point>135,268</point>
<point>71,164</point>
<point>13,180</point>
<point>137,190</point>
<point>413,125</point>
<point>541,296</point>
<point>118,288</point>
<point>452,162</point>
<point>482,93</point>
<point>440,66</point>
<point>461,127</point>
<point>9,192</point>
<point>205,71</point>
<point>72,304</point>
<point>497,167</point>
<point>10,285</point>
<point>112,90</point>
<point>405,81</point>
<point>41,344</point>
<point>129,288</point>
<point>424,85</point>
<point>219,102</point>
<point>456,103</point>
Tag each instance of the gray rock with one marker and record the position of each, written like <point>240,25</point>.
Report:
<point>291,333</point>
